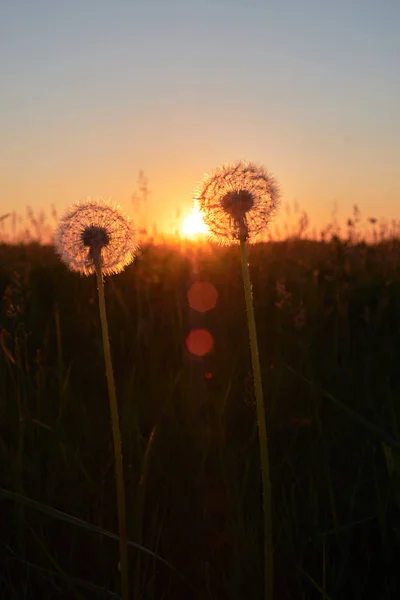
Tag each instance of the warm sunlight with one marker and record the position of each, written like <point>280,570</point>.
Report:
<point>193,225</point>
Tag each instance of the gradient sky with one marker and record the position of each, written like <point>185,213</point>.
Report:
<point>92,91</point>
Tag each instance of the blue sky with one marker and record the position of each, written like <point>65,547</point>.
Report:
<point>93,91</point>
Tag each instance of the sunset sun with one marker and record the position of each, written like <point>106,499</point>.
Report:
<point>193,225</point>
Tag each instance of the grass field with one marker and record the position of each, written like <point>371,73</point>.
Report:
<point>328,317</point>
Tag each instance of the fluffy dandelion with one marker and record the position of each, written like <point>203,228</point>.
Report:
<point>237,201</point>
<point>95,237</point>
<point>92,231</point>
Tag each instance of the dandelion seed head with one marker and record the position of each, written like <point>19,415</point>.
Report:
<point>95,237</point>
<point>237,201</point>
<point>95,230</point>
<point>237,204</point>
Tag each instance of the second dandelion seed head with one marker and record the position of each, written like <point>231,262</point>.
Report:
<point>237,201</point>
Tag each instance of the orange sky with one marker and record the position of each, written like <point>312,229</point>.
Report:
<point>91,97</point>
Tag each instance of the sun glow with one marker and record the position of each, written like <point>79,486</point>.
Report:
<point>193,225</point>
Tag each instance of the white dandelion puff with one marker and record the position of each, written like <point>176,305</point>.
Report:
<point>237,201</point>
<point>95,230</point>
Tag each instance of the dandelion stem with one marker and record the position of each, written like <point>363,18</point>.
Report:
<point>123,545</point>
<point>262,430</point>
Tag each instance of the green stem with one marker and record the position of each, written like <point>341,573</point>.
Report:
<point>262,429</point>
<point>123,543</point>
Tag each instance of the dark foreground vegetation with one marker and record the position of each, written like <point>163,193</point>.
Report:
<point>328,316</point>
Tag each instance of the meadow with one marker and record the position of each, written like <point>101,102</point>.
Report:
<point>328,318</point>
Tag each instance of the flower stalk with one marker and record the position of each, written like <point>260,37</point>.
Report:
<point>120,488</point>
<point>262,429</point>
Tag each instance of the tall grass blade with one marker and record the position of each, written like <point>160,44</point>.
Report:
<point>356,417</point>
<point>66,518</point>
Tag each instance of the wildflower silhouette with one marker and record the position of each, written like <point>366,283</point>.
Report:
<point>95,237</point>
<point>237,201</point>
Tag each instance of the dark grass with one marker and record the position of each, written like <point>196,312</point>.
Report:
<point>328,317</point>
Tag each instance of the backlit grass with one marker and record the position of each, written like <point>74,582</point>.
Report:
<point>328,320</point>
